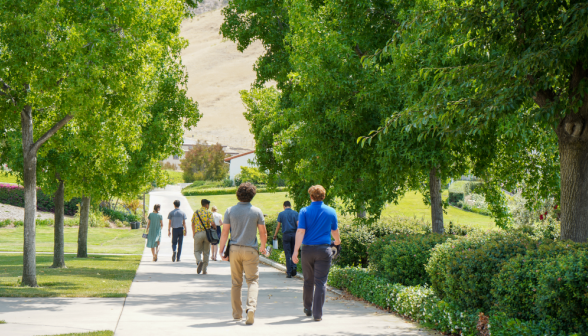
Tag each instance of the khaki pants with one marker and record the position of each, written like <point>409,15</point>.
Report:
<point>201,249</point>
<point>244,260</point>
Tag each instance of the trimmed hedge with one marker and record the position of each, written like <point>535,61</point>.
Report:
<point>401,258</point>
<point>14,195</point>
<point>422,305</point>
<point>118,215</point>
<point>357,237</point>
<point>514,288</point>
<point>459,189</point>
<point>224,191</point>
<point>461,270</point>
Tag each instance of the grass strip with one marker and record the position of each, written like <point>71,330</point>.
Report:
<point>95,276</point>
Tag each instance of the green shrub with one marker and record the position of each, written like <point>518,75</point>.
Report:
<point>461,270</point>
<point>356,237</point>
<point>401,258</point>
<point>419,303</point>
<point>503,325</point>
<point>118,215</point>
<point>14,195</point>
<point>562,291</point>
<point>514,288</point>
<point>459,189</point>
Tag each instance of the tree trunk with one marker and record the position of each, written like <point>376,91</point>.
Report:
<point>83,230</point>
<point>29,262</point>
<point>361,213</point>
<point>436,201</point>
<point>574,188</point>
<point>58,242</point>
<point>572,134</point>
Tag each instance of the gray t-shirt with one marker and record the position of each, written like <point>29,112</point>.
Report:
<point>177,217</point>
<point>244,219</point>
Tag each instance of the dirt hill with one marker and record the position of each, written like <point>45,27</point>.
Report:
<point>217,72</point>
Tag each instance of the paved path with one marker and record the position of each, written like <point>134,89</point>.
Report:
<point>170,298</point>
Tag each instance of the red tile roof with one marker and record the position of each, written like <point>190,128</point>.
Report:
<point>236,156</point>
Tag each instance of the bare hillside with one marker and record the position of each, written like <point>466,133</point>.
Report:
<point>218,71</point>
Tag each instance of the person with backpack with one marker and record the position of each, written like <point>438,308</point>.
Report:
<point>202,220</point>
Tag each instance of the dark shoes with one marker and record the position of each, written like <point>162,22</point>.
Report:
<point>199,270</point>
<point>308,312</point>
<point>294,273</point>
<point>174,256</point>
<point>288,276</point>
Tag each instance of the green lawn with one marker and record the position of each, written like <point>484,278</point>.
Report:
<point>409,206</point>
<point>269,203</point>
<point>175,177</point>
<point>412,205</point>
<point>6,178</point>
<point>96,276</point>
<point>100,240</point>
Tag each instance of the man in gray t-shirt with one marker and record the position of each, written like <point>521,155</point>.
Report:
<point>244,220</point>
<point>177,227</point>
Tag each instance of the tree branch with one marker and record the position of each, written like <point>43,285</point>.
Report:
<point>50,133</point>
<point>358,51</point>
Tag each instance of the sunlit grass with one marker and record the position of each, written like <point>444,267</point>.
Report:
<point>96,276</point>
<point>100,240</point>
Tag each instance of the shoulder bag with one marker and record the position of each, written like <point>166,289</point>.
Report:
<point>211,234</point>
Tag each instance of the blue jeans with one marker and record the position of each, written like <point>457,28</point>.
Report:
<point>289,241</point>
<point>177,239</point>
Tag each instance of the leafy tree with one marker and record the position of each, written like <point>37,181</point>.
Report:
<point>204,162</point>
<point>60,59</point>
<point>251,174</point>
<point>524,83</point>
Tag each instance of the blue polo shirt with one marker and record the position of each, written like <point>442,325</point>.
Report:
<point>288,218</point>
<point>318,220</point>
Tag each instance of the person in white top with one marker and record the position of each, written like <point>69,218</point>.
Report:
<point>218,220</point>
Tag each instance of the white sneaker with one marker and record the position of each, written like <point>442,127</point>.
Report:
<point>250,316</point>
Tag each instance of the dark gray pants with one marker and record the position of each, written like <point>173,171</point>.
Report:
<point>316,263</point>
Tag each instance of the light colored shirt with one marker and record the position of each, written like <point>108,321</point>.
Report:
<point>177,217</point>
<point>205,215</point>
<point>244,219</point>
<point>218,218</point>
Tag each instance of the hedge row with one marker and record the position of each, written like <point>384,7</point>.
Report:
<point>14,195</point>
<point>357,237</point>
<point>422,305</point>
<point>224,191</point>
<point>118,215</point>
<point>401,258</point>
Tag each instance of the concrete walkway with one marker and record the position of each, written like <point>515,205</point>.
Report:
<point>170,298</point>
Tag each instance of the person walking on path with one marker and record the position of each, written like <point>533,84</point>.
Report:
<point>244,220</point>
<point>154,226</point>
<point>202,220</point>
<point>316,223</point>
<point>288,220</point>
<point>218,221</point>
<point>177,227</point>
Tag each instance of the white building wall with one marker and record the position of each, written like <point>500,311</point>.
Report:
<point>242,161</point>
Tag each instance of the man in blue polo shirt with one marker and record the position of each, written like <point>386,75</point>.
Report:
<point>288,220</point>
<point>316,223</point>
